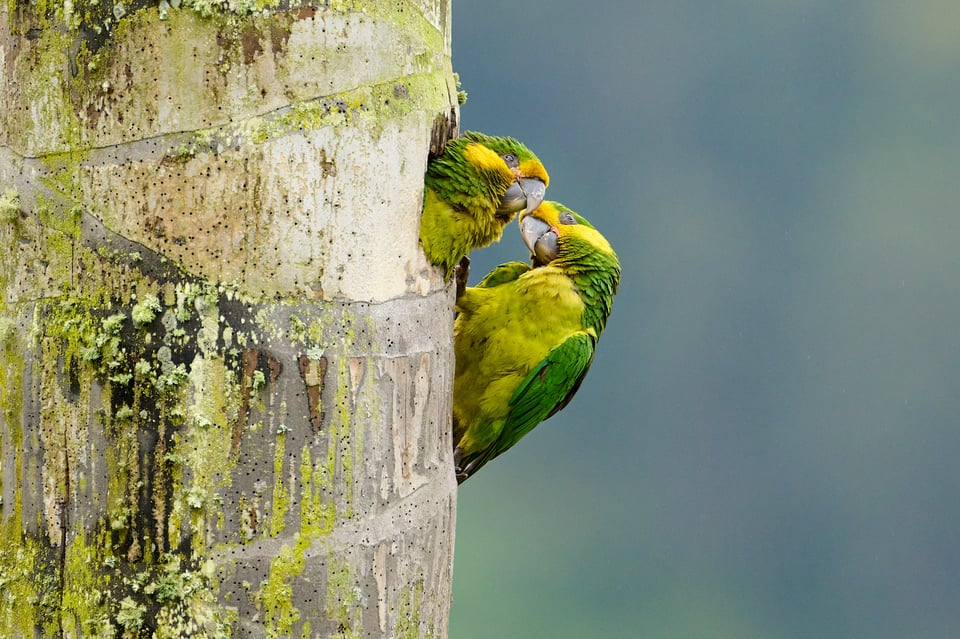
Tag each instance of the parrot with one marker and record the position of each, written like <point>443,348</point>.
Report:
<point>525,336</point>
<point>472,191</point>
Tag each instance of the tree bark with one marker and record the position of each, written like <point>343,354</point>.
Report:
<point>226,365</point>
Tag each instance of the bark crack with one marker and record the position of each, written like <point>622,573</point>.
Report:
<point>231,134</point>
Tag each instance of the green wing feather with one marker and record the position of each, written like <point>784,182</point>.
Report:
<point>550,386</point>
<point>504,273</point>
<point>544,391</point>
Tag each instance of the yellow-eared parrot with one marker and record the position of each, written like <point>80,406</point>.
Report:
<point>472,191</point>
<point>525,336</point>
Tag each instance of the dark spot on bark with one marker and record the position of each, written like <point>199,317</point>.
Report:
<point>252,43</point>
<point>310,374</point>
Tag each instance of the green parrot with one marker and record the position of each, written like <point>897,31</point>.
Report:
<point>472,191</point>
<point>525,335</point>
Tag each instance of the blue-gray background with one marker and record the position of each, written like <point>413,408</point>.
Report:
<point>767,445</point>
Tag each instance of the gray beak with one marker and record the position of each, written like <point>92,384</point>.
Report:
<point>534,190</point>
<point>525,194</point>
<point>540,238</point>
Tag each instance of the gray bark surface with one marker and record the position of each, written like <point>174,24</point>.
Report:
<point>226,365</point>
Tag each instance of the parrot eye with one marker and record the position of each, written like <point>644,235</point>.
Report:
<point>511,160</point>
<point>567,218</point>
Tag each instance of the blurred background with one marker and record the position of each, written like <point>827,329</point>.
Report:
<point>767,444</point>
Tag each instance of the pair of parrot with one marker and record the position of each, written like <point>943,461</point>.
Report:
<point>525,336</point>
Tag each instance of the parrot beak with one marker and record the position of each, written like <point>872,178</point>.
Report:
<point>534,189</point>
<point>540,238</point>
<point>525,194</point>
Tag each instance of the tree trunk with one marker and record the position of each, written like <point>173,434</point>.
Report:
<point>226,365</point>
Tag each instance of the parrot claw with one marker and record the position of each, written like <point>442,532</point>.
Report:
<point>462,273</point>
<point>463,472</point>
<point>458,471</point>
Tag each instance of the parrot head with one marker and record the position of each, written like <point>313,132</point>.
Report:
<point>552,231</point>
<point>559,238</point>
<point>528,179</point>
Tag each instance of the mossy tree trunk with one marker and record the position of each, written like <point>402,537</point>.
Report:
<point>226,366</point>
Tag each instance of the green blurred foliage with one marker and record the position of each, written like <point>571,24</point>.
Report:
<point>766,444</point>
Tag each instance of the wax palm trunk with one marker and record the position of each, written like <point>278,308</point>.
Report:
<point>226,365</point>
